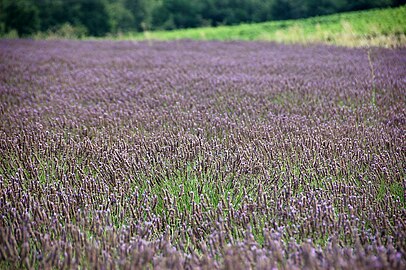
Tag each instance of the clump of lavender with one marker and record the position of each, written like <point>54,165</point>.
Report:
<point>201,155</point>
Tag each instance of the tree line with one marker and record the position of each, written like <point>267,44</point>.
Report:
<point>100,17</point>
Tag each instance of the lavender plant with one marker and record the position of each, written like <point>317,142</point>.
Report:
<point>224,155</point>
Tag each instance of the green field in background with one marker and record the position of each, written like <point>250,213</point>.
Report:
<point>382,27</point>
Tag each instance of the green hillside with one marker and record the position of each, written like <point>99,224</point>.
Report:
<point>383,27</point>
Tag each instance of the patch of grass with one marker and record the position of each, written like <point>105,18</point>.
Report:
<point>379,27</point>
<point>184,188</point>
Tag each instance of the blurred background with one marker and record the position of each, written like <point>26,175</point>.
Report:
<point>99,18</point>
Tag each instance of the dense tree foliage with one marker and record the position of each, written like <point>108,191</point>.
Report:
<point>99,17</point>
<point>19,15</point>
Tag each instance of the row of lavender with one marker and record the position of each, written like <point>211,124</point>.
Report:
<point>201,155</point>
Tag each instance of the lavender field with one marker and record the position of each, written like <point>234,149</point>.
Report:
<point>210,155</point>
